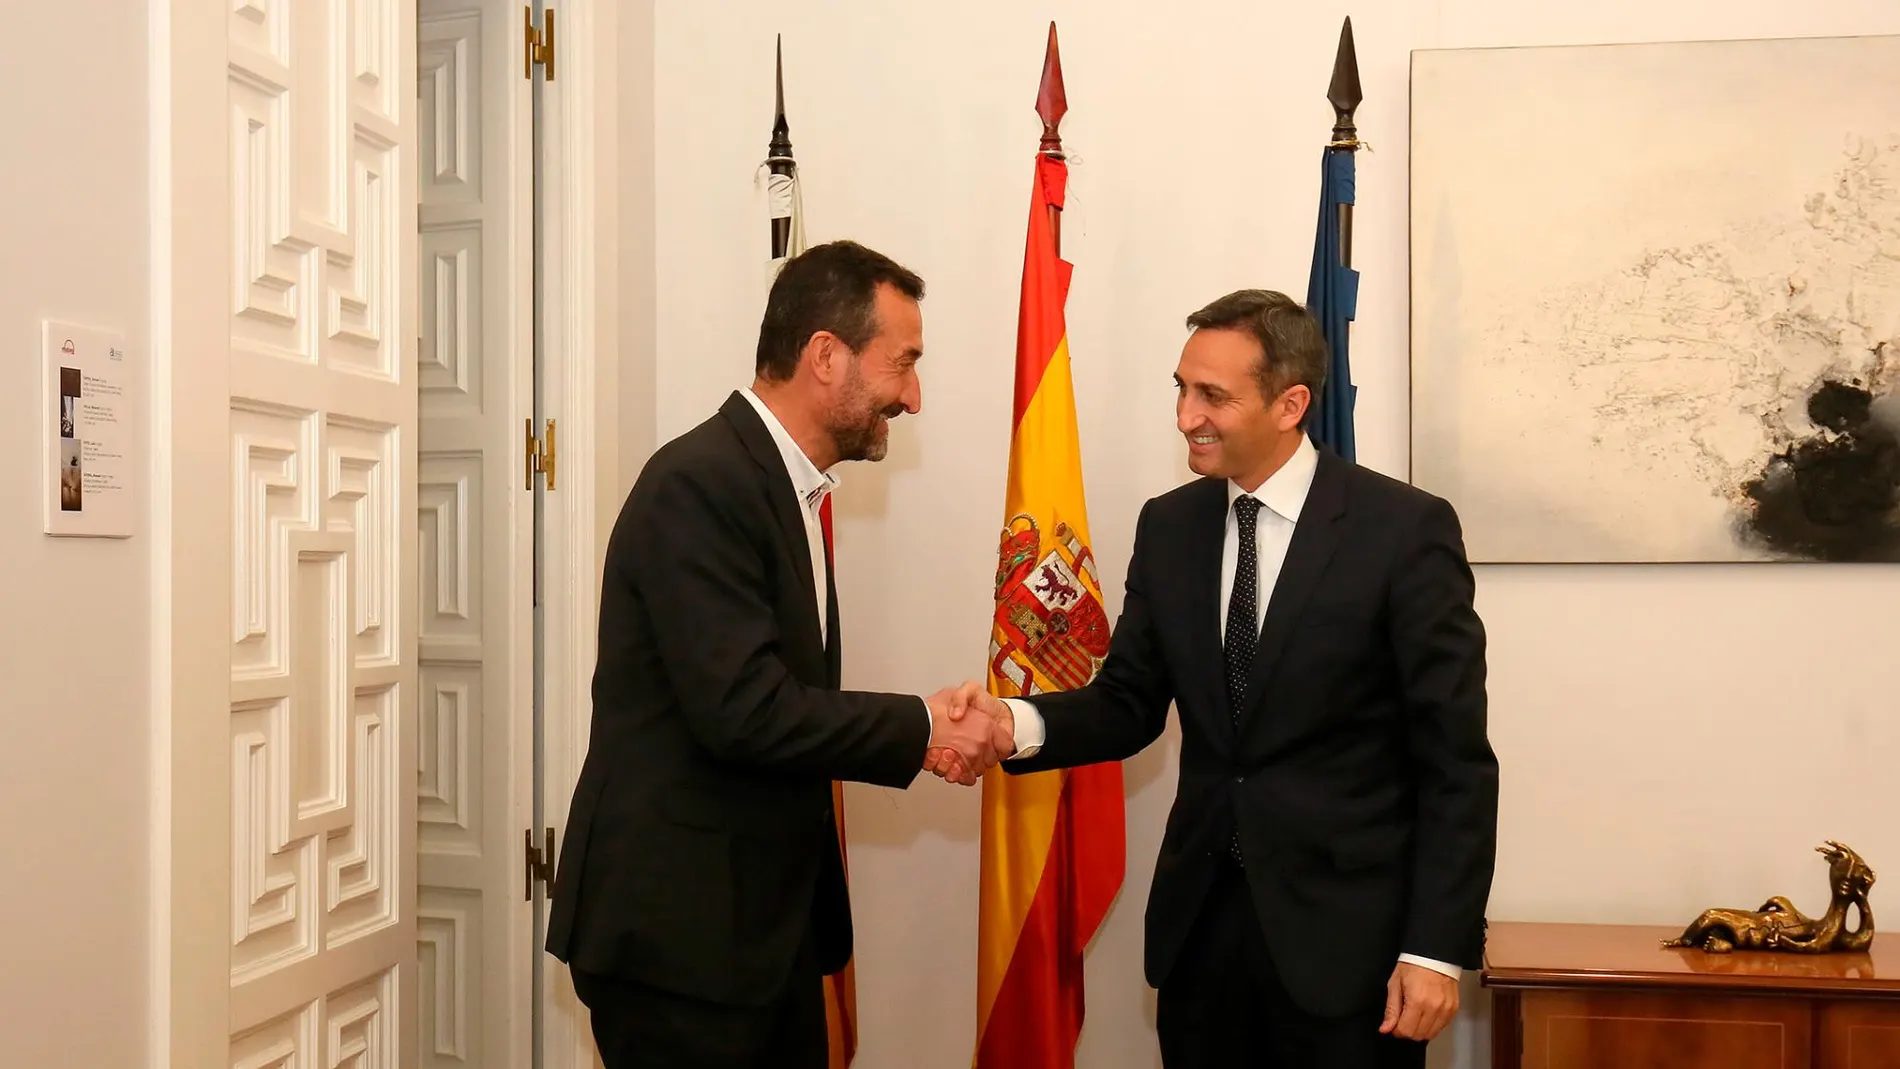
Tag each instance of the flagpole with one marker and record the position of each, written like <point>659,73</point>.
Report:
<point>779,162</point>
<point>1345,95</point>
<point>1332,291</point>
<point>1052,103</point>
<point>788,239</point>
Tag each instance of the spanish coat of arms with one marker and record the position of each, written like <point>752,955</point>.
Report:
<point>1050,630</point>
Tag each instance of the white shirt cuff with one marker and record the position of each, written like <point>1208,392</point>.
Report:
<point>1029,728</point>
<point>1452,971</point>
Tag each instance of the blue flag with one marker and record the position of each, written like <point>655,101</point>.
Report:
<point>1332,296</point>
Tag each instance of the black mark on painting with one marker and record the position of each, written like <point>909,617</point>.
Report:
<point>1832,496</point>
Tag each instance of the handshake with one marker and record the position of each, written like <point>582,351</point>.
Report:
<point>970,731</point>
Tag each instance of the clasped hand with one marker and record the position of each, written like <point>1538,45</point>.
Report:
<point>964,746</point>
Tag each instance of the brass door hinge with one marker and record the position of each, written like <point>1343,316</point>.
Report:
<point>541,455</point>
<point>540,862</point>
<point>538,44</point>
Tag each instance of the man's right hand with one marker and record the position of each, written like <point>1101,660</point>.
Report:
<point>963,747</point>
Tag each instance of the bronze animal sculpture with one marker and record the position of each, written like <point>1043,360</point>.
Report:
<point>1777,925</point>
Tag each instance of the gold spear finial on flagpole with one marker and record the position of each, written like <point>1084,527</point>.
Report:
<point>1052,103</point>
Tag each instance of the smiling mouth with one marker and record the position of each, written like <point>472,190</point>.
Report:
<point>1203,439</point>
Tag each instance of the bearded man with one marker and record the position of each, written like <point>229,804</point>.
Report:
<point>701,894</point>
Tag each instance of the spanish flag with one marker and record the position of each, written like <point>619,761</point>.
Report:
<point>1052,842</point>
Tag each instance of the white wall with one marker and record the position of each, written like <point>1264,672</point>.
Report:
<point>1196,128</point>
<point>74,661</point>
<point>632,68</point>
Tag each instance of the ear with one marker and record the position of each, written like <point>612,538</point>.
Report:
<point>1291,407</point>
<point>824,354</point>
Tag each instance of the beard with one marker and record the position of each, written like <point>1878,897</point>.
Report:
<point>859,429</point>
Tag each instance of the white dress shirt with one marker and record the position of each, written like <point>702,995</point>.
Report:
<point>811,487</point>
<point>1282,497</point>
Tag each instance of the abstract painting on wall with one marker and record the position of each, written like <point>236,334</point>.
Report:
<point>1656,299</point>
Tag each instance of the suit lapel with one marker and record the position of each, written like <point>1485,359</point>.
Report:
<point>1315,537</point>
<point>785,507</point>
<point>1207,528</point>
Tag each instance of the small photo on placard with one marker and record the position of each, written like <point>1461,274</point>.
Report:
<point>72,476</point>
<point>68,402</point>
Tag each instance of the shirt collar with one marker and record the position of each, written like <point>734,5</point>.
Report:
<point>1285,490</point>
<point>810,484</point>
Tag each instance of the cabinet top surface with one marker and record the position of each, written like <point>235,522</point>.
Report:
<point>1609,955</point>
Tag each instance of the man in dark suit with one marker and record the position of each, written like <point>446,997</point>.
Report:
<point>701,893</point>
<point>1325,868</point>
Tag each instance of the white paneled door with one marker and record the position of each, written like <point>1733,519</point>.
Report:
<point>321,484</point>
<point>344,368</point>
<point>476,531</point>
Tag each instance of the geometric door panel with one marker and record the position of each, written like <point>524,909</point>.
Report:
<point>472,523</point>
<point>322,424</point>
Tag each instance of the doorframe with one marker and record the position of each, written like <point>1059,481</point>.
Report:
<point>585,372</point>
<point>188,91</point>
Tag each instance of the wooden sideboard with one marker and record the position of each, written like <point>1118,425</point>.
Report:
<point>1598,996</point>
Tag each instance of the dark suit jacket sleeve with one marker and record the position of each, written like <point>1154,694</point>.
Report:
<point>703,578</point>
<point>1125,708</point>
<point>1439,644</point>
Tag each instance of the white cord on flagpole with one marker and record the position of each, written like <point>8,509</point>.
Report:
<point>785,199</point>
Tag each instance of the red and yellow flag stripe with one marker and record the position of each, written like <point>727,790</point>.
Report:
<point>1052,843</point>
<point>841,994</point>
<point>841,989</point>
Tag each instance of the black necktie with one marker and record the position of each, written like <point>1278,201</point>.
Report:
<point>1242,633</point>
